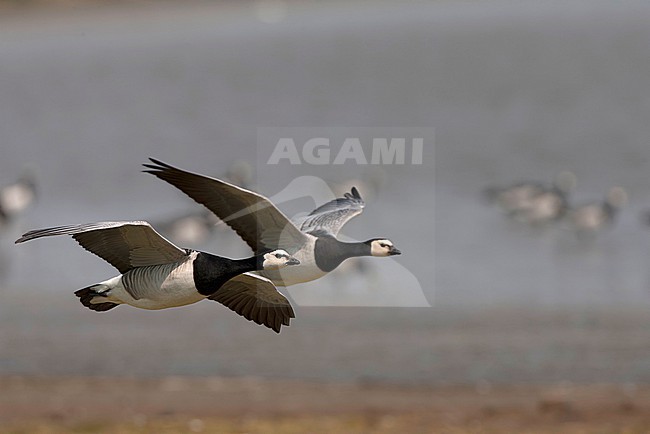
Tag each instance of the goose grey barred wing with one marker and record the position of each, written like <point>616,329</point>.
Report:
<point>332,216</point>
<point>125,245</point>
<point>140,282</point>
<point>256,299</point>
<point>255,219</point>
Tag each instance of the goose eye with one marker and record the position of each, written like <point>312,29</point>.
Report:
<point>277,255</point>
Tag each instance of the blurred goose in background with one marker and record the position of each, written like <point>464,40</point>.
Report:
<point>240,173</point>
<point>547,206</point>
<point>190,228</point>
<point>513,198</point>
<point>155,274</point>
<point>313,241</point>
<point>196,227</point>
<point>17,197</point>
<point>534,202</point>
<point>595,216</point>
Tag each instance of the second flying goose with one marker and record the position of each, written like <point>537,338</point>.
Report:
<point>264,227</point>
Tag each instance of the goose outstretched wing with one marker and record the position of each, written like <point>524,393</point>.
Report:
<point>125,245</point>
<point>332,216</point>
<point>256,299</point>
<point>257,221</point>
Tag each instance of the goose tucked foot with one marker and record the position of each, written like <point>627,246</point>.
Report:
<point>92,298</point>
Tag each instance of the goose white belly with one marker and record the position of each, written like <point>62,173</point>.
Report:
<point>158,287</point>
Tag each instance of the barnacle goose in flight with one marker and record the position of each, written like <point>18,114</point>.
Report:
<point>262,226</point>
<point>155,274</point>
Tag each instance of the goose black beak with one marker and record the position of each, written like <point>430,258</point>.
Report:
<point>293,261</point>
<point>394,251</point>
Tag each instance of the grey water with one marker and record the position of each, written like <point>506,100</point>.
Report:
<point>513,91</point>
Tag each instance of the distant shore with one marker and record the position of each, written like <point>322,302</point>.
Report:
<point>216,404</point>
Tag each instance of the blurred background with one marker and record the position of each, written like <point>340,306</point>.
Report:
<point>522,309</point>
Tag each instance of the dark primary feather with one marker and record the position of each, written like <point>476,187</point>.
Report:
<point>256,299</point>
<point>255,219</point>
<point>125,245</point>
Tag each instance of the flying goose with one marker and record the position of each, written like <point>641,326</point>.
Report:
<point>155,274</point>
<point>594,216</point>
<point>262,226</point>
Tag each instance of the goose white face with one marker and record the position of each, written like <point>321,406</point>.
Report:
<point>383,248</point>
<point>278,259</point>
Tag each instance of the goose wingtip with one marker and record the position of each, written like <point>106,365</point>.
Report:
<point>355,193</point>
<point>159,164</point>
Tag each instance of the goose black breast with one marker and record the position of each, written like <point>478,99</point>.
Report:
<point>210,273</point>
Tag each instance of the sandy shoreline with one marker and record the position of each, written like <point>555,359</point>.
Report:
<point>215,404</point>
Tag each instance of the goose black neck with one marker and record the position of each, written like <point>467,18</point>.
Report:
<point>211,272</point>
<point>330,252</point>
<point>248,264</point>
